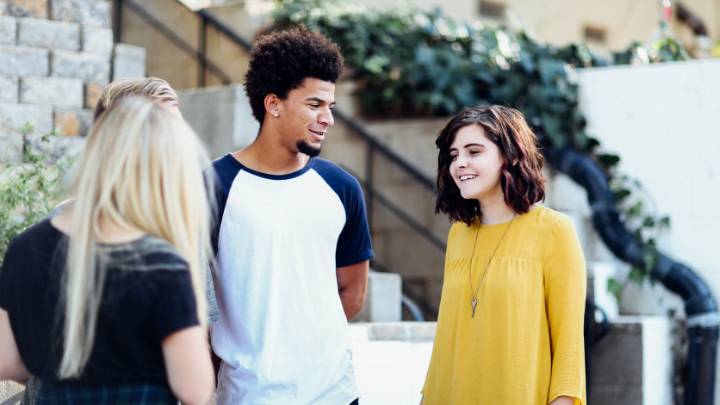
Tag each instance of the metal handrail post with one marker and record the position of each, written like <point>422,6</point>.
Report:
<point>202,49</point>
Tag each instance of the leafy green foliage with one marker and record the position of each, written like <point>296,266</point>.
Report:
<point>416,63</point>
<point>29,189</point>
<point>665,49</point>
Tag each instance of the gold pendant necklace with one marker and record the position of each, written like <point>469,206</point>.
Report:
<point>474,292</point>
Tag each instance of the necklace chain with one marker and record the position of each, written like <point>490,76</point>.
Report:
<point>473,291</point>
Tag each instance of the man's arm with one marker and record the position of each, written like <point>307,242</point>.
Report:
<point>352,286</point>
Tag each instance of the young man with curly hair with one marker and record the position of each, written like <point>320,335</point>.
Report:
<point>292,237</point>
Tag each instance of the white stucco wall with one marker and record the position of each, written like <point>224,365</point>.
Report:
<point>663,122</point>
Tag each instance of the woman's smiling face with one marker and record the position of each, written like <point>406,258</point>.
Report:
<point>476,163</point>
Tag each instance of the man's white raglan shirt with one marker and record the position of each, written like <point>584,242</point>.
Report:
<point>281,332</point>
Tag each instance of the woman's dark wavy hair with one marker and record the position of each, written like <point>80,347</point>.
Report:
<point>521,175</point>
<point>280,61</point>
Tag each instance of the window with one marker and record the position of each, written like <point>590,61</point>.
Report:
<point>594,34</point>
<point>492,9</point>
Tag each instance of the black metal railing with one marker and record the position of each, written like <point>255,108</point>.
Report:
<point>386,202</point>
<point>200,55</point>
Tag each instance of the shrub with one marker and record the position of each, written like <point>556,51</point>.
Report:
<point>29,189</point>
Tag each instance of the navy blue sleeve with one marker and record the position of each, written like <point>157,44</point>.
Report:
<point>354,244</point>
<point>222,175</point>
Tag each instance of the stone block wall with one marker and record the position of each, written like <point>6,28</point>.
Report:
<point>55,58</point>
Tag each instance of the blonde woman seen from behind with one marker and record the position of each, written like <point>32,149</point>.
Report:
<point>104,303</point>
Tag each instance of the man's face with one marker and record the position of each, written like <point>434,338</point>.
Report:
<point>305,116</point>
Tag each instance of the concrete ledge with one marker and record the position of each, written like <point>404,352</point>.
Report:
<point>394,331</point>
<point>633,364</point>
<point>384,298</point>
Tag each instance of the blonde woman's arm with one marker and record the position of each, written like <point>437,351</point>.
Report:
<point>11,365</point>
<point>189,368</point>
<point>182,337</point>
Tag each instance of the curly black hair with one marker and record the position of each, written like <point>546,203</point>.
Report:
<point>282,60</point>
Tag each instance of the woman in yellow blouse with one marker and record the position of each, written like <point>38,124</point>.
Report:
<point>510,326</point>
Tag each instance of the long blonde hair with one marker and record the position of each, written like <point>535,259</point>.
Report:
<point>142,168</point>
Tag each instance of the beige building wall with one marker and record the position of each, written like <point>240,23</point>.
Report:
<point>609,25</point>
<point>622,21</point>
<point>565,21</point>
<point>164,58</point>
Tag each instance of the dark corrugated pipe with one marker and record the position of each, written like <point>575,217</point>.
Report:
<point>692,20</point>
<point>703,319</point>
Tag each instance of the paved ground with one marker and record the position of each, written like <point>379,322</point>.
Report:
<point>389,372</point>
<point>8,389</point>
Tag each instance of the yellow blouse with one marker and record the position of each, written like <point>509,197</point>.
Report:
<point>525,344</point>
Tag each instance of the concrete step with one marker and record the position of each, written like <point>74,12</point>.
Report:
<point>644,375</point>
<point>384,298</point>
